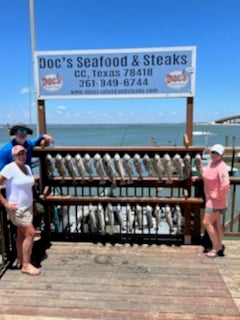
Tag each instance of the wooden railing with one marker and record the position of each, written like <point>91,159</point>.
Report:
<point>7,250</point>
<point>72,194</point>
<point>231,220</point>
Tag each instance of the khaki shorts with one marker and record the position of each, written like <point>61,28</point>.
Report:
<point>21,217</point>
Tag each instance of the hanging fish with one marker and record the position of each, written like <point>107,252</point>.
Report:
<point>157,214</point>
<point>129,217</point>
<point>148,165</point>
<point>49,165</point>
<point>59,165</point>
<point>108,167</point>
<point>168,215</point>
<point>106,192</point>
<point>187,165</point>
<point>138,165</point>
<point>178,164</point>
<point>119,217</point>
<point>119,167</point>
<point>110,216</point>
<point>149,210</point>
<point>87,165</point>
<point>167,164</point>
<point>158,166</point>
<point>198,162</point>
<point>92,218</point>
<point>69,166</point>
<point>128,167</point>
<point>139,215</point>
<point>178,218</point>
<point>100,218</point>
<point>98,163</point>
<point>79,165</point>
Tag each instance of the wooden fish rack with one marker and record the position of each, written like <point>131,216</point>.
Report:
<point>68,192</point>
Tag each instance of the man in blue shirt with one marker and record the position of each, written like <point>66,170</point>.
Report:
<point>20,132</point>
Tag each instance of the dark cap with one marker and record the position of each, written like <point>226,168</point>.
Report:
<point>19,126</point>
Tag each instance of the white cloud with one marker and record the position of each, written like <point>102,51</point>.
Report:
<point>25,90</point>
<point>62,107</point>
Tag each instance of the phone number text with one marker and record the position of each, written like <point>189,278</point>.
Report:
<point>113,83</point>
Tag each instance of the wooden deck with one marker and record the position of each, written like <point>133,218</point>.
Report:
<point>92,281</point>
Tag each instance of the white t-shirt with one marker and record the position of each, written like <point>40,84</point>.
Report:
<point>18,185</point>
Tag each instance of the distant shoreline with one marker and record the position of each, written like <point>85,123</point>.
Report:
<point>2,125</point>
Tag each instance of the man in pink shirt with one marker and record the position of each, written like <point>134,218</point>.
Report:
<point>216,187</point>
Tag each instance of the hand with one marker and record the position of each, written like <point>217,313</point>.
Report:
<point>48,138</point>
<point>213,194</point>
<point>11,206</point>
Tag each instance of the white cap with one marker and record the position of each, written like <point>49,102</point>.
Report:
<point>218,148</point>
<point>17,148</point>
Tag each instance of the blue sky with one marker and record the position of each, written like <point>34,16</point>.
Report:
<point>213,26</point>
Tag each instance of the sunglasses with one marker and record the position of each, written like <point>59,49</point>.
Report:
<point>214,152</point>
<point>22,131</point>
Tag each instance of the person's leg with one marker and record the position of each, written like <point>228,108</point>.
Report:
<point>209,222</point>
<point>220,233</point>
<point>19,243</point>
<point>27,244</point>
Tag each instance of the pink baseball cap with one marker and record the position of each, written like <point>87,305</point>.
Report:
<point>18,148</point>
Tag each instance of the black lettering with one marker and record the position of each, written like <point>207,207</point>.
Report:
<point>80,73</point>
<point>58,63</point>
<point>159,61</point>
<point>146,61</point>
<point>50,63</point>
<point>184,59</point>
<point>176,59</point>
<point>168,60</point>
<point>79,62</point>
<point>107,62</point>
<point>94,63</point>
<point>101,61</point>
<point>87,62</point>
<point>42,63</point>
<point>69,63</point>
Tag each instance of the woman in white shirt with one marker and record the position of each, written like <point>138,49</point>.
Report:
<point>18,180</point>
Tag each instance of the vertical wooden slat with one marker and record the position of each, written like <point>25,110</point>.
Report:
<point>189,120</point>
<point>41,117</point>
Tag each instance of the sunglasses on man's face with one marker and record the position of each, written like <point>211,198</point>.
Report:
<point>22,131</point>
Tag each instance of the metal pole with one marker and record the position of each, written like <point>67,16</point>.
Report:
<point>33,45</point>
<point>32,25</point>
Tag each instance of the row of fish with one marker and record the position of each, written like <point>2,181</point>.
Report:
<point>131,218</point>
<point>125,167</point>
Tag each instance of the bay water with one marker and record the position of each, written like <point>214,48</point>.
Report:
<point>161,134</point>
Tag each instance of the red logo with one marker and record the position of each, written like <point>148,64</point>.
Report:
<point>51,82</point>
<point>176,79</point>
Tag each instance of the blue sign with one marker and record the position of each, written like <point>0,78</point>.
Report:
<point>120,73</point>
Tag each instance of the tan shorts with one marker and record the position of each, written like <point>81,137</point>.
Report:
<point>21,217</point>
